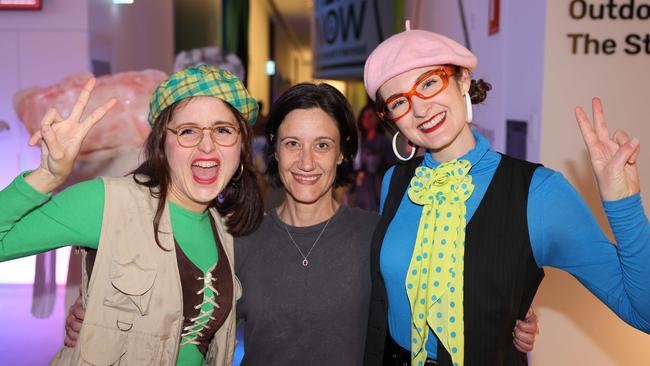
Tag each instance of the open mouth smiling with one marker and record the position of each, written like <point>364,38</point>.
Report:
<point>205,171</point>
<point>433,123</point>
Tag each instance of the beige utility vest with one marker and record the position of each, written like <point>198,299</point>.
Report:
<point>133,300</point>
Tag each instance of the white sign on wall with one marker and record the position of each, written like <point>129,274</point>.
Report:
<point>610,13</point>
<point>345,33</point>
<point>592,48</point>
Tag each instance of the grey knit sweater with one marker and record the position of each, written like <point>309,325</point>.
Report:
<point>314,315</point>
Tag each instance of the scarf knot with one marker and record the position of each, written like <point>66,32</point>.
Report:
<point>448,181</point>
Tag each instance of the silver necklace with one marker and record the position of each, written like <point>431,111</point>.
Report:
<point>305,258</point>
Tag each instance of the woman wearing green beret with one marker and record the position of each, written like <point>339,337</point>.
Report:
<point>160,287</point>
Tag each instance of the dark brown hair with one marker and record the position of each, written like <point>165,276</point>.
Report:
<point>330,101</point>
<point>242,199</point>
<point>478,89</point>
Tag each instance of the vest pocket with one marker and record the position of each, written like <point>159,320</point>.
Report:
<point>101,346</point>
<point>144,349</point>
<point>132,280</point>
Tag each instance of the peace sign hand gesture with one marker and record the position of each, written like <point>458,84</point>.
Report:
<point>60,140</point>
<point>612,158</point>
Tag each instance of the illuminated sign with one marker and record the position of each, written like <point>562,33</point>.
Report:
<point>345,33</point>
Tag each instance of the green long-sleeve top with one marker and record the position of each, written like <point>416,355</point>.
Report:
<point>32,222</point>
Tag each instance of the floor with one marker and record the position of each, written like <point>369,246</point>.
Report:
<point>26,340</point>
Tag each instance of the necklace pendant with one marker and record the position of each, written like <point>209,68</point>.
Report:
<point>305,261</point>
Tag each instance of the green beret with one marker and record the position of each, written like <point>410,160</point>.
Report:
<point>202,80</point>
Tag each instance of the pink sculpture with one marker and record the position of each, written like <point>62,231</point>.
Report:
<point>122,130</point>
<point>125,124</point>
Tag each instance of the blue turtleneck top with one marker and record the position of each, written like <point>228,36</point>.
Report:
<point>563,234</point>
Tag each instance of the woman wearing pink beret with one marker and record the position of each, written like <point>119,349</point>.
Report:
<point>465,231</point>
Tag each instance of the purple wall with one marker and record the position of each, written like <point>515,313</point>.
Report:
<point>38,48</point>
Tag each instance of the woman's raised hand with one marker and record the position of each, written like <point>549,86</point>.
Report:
<point>612,158</point>
<point>60,140</point>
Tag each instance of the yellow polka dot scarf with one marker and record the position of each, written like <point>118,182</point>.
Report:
<point>434,281</point>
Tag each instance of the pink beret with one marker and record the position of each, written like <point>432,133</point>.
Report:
<point>409,50</point>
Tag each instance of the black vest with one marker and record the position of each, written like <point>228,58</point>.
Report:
<point>501,275</point>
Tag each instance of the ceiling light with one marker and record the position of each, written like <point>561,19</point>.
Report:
<point>270,68</point>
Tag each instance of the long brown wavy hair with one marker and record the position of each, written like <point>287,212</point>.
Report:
<point>242,204</point>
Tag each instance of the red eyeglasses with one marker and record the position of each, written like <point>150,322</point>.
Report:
<point>427,86</point>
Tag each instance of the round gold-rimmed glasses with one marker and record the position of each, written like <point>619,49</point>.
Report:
<point>426,86</point>
<point>222,134</point>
